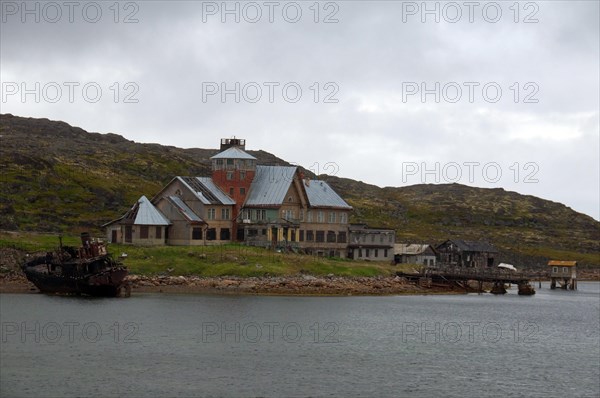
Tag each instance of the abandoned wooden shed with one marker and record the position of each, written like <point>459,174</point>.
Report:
<point>463,253</point>
<point>563,273</point>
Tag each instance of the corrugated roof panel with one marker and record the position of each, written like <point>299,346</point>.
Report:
<point>415,249</point>
<point>185,209</point>
<point>147,214</point>
<point>562,263</point>
<point>233,153</point>
<point>215,190</point>
<point>320,194</point>
<point>473,246</point>
<point>269,186</point>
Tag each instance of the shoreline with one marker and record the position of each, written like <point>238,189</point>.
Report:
<point>294,285</point>
<point>304,285</point>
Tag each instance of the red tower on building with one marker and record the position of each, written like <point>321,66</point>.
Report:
<point>233,170</point>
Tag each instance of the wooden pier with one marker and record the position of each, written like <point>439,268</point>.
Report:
<point>462,276</point>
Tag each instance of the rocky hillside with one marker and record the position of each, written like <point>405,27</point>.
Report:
<point>56,177</point>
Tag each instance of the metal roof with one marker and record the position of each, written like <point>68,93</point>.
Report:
<point>184,209</point>
<point>562,263</point>
<point>206,190</point>
<point>414,249</point>
<point>472,246</point>
<point>215,190</point>
<point>147,214</point>
<point>233,153</point>
<point>269,186</point>
<point>320,194</point>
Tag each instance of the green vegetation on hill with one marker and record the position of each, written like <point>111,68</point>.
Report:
<point>56,177</point>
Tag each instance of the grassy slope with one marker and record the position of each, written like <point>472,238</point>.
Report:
<point>232,259</point>
<point>56,177</point>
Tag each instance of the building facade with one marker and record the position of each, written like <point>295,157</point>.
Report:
<point>270,206</point>
<point>375,244</point>
<point>143,224</point>
<point>415,254</point>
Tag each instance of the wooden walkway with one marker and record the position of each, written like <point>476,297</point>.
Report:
<point>458,275</point>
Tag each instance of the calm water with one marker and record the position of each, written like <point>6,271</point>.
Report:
<point>185,345</point>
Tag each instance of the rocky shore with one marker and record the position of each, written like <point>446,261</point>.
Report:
<point>288,285</point>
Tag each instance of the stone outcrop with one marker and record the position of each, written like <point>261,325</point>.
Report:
<point>300,285</point>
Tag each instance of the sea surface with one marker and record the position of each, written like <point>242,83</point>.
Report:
<point>162,345</point>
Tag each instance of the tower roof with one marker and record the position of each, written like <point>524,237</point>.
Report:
<point>233,153</point>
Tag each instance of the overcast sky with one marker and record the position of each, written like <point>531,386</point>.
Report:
<point>492,94</point>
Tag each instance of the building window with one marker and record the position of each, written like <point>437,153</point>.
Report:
<point>242,191</point>
<point>229,162</point>
<point>261,214</point>
<point>211,234</point>
<point>224,214</point>
<point>343,218</point>
<point>391,238</point>
<point>341,238</point>
<point>309,216</point>
<point>219,162</point>
<point>332,217</point>
<point>381,238</point>
<point>565,270</point>
<point>385,253</point>
<point>301,235</point>
<point>310,236</point>
<point>368,253</point>
<point>158,233</point>
<point>242,175</point>
<point>376,252</point>
<point>225,235</point>
<point>555,270</point>
<point>230,175</point>
<point>197,233</point>
<point>359,252</point>
<point>320,236</point>
<point>211,214</point>
<point>143,232</point>
<point>231,191</point>
<point>320,216</point>
<point>301,216</point>
<point>372,239</point>
<point>245,214</point>
<point>331,236</point>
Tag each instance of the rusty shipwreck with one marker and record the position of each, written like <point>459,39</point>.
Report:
<point>87,270</point>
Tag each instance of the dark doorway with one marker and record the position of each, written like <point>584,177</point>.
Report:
<point>128,234</point>
<point>240,234</point>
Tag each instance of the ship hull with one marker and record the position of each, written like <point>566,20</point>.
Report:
<point>106,284</point>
